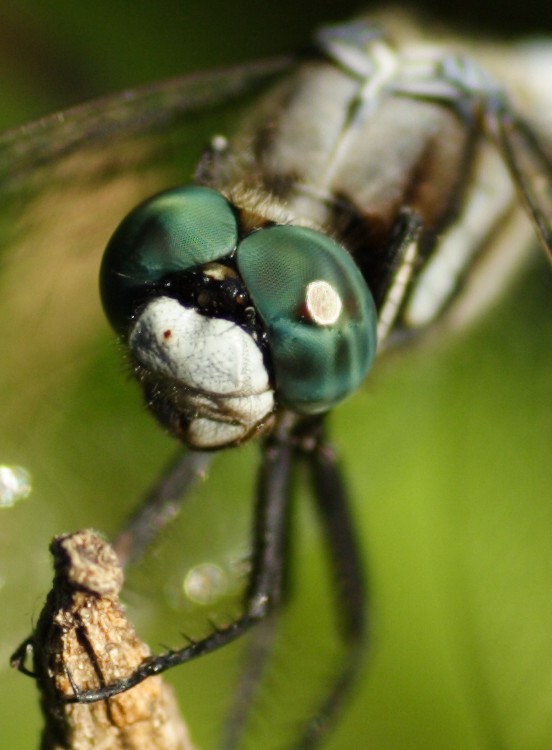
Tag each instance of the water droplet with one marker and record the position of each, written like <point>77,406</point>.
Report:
<point>15,485</point>
<point>205,583</point>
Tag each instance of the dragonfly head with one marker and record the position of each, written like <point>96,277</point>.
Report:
<point>225,326</point>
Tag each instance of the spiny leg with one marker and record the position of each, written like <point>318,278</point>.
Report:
<point>330,494</point>
<point>267,578</point>
<point>160,506</point>
<point>265,588</point>
<point>261,640</point>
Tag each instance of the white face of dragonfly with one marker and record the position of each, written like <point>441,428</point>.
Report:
<point>216,370</point>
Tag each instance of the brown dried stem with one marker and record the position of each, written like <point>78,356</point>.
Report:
<point>83,639</point>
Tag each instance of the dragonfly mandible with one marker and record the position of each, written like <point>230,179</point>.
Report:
<point>384,183</point>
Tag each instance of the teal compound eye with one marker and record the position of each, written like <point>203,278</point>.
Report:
<point>174,231</point>
<point>318,312</point>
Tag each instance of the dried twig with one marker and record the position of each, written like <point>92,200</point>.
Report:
<point>83,639</point>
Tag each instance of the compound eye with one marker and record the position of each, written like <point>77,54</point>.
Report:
<point>173,231</point>
<point>318,312</point>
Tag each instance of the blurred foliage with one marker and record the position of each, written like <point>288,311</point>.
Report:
<point>447,451</point>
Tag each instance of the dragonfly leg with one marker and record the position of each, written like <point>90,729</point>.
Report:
<point>330,494</point>
<point>264,591</point>
<point>460,82</point>
<point>397,277</point>
<point>339,528</point>
<point>161,504</point>
<point>256,658</point>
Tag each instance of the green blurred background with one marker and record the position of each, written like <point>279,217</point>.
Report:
<point>447,450</point>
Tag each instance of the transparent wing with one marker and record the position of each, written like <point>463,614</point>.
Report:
<point>136,141</point>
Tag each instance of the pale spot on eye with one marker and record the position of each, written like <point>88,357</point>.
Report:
<point>323,303</point>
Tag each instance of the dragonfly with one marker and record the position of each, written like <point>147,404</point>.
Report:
<point>357,201</point>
